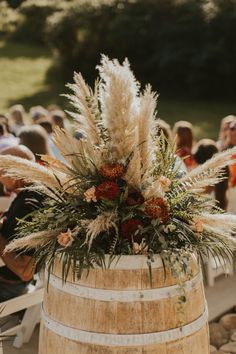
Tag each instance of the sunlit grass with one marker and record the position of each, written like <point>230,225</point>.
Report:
<point>22,72</point>
<point>23,79</point>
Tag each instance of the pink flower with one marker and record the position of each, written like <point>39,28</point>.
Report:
<point>198,226</point>
<point>139,248</point>
<point>65,239</point>
<point>90,195</point>
<point>165,183</point>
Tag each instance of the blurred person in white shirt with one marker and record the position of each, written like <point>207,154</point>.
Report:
<point>6,139</point>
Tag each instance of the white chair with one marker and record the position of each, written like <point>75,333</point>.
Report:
<point>218,266</point>
<point>215,267</point>
<point>231,196</point>
<point>31,302</point>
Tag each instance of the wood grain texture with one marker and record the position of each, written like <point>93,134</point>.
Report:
<point>54,344</point>
<point>120,317</point>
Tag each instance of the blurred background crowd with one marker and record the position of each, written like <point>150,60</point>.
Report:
<point>34,129</point>
<point>184,48</point>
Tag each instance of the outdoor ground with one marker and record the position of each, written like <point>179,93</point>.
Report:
<point>24,79</point>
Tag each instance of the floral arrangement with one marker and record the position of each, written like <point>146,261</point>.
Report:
<point>121,189</point>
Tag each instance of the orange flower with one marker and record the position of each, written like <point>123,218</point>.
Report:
<point>65,239</point>
<point>157,208</point>
<point>198,226</point>
<point>112,171</point>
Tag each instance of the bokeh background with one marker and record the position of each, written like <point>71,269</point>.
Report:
<point>186,49</point>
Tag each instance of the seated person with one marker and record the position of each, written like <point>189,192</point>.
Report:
<point>183,131</point>
<point>19,269</point>
<point>205,149</point>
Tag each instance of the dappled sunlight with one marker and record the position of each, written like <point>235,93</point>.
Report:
<point>22,75</point>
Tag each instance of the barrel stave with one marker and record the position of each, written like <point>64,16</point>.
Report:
<point>123,317</point>
<point>93,310</point>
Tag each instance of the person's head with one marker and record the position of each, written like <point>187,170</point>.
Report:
<point>17,114</point>
<point>165,128</point>
<point>58,119</point>
<point>224,127</point>
<point>36,139</point>
<point>38,112</point>
<point>12,184</point>
<point>183,131</point>
<point>46,124</point>
<point>232,133</point>
<point>4,120</point>
<point>204,150</point>
<point>53,107</point>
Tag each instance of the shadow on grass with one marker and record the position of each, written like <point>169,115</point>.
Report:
<point>44,98</point>
<point>13,50</point>
<point>54,88</point>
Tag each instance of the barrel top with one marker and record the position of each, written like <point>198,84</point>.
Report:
<point>129,262</point>
<point>133,262</point>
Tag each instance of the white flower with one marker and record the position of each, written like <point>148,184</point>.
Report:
<point>140,248</point>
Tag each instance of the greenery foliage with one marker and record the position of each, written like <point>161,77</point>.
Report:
<point>8,19</point>
<point>25,79</point>
<point>122,190</point>
<point>15,3</point>
<point>33,16</point>
<point>183,46</point>
<point>186,46</point>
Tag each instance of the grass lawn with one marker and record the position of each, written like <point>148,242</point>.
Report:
<point>23,76</point>
<point>23,79</point>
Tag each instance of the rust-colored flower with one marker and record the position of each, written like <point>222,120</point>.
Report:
<point>107,190</point>
<point>131,230</point>
<point>112,171</point>
<point>134,197</point>
<point>65,239</point>
<point>157,208</point>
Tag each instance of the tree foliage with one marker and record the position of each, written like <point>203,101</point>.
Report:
<point>183,46</point>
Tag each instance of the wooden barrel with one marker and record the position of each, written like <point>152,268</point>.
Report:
<point>117,311</point>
